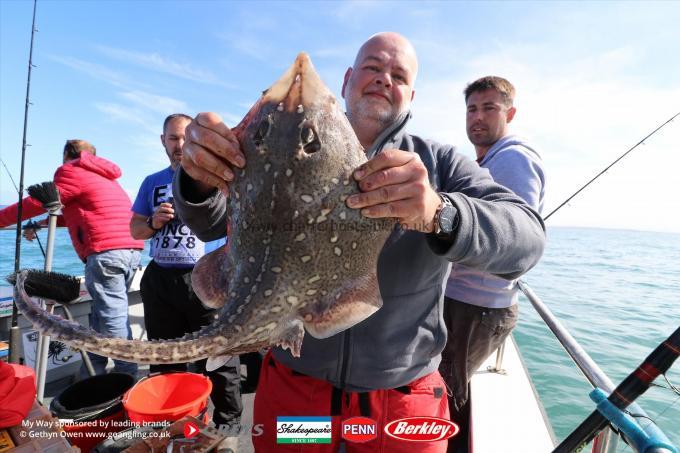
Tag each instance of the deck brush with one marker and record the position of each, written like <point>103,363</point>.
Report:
<point>47,194</point>
<point>61,288</point>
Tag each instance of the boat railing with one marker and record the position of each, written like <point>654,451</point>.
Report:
<point>607,440</point>
<point>498,365</point>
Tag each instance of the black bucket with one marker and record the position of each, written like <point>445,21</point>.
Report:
<point>95,398</point>
<point>92,398</point>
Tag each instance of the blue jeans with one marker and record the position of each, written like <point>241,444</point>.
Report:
<point>108,276</point>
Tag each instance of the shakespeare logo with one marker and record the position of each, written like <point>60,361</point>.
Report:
<point>303,430</point>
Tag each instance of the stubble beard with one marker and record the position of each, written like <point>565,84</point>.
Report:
<point>174,163</point>
<point>366,111</point>
<point>485,139</point>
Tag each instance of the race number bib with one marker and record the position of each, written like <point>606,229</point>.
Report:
<point>174,244</point>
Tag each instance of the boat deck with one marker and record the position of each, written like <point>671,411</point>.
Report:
<point>505,410</point>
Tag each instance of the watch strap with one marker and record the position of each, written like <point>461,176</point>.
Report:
<point>149,223</point>
<point>446,202</point>
<point>438,212</point>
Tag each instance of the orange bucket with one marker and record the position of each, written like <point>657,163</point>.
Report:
<point>167,397</point>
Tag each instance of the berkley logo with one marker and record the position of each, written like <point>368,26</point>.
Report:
<point>359,429</point>
<point>421,429</point>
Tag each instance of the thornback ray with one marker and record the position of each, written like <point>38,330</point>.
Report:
<point>297,259</point>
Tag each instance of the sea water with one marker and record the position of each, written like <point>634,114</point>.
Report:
<point>617,291</point>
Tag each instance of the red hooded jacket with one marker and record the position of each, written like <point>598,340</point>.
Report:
<point>17,391</point>
<point>96,208</point>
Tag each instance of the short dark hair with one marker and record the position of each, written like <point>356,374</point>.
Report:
<point>499,84</point>
<point>74,147</point>
<point>172,117</point>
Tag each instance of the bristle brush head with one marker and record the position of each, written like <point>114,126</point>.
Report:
<point>46,193</point>
<point>58,287</point>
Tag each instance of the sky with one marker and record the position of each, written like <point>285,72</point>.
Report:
<point>592,79</point>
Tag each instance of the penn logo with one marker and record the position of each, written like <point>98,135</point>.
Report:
<point>359,429</point>
<point>421,429</point>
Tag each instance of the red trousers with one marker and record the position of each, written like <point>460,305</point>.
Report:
<point>282,392</point>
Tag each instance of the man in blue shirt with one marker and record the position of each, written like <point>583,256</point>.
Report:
<point>171,308</point>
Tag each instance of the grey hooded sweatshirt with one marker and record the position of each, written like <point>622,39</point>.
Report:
<point>512,162</point>
<point>497,232</point>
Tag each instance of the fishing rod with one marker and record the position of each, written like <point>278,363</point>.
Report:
<point>15,335</point>
<point>657,363</point>
<point>608,167</point>
<point>10,175</point>
<point>31,225</point>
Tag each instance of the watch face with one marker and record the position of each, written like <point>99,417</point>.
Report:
<point>446,217</point>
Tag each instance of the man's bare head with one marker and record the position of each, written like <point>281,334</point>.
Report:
<point>173,137</point>
<point>379,86</point>
<point>390,40</point>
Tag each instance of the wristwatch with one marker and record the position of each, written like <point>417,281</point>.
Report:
<point>445,219</point>
<point>149,223</point>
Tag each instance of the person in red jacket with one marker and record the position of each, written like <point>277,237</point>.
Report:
<point>97,214</point>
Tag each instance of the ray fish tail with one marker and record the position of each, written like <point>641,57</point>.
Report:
<point>191,347</point>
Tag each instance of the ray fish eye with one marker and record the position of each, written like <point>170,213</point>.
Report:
<point>309,139</point>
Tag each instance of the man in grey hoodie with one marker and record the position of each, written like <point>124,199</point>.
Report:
<point>480,308</point>
<point>384,367</point>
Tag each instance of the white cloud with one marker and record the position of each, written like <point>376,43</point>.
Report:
<point>137,97</point>
<point>151,150</point>
<point>250,45</point>
<point>118,112</point>
<point>150,157</point>
<point>162,64</point>
<point>94,70</point>
<point>582,115</point>
<point>156,103</point>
